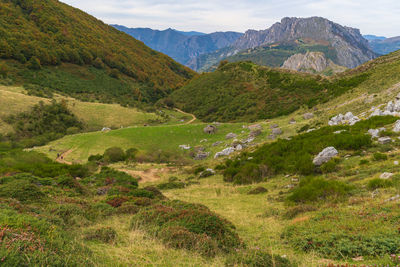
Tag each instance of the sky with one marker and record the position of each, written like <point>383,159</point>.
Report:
<point>378,17</point>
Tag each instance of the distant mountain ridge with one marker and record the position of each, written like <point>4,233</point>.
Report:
<point>181,46</point>
<point>351,49</point>
<point>386,45</point>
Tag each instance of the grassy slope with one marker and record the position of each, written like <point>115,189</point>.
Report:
<point>234,93</point>
<point>95,115</point>
<point>51,33</point>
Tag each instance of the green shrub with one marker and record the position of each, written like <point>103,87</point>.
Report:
<point>296,155</point>
<point>379,183</point>
<point>258,190</point>
<point>32,241</point>
<point>157,193</point>
<point>128,208</point>
<point>379,156</point>
<point>142,193</point>
<point>315,189</point>
<point>95,158</point>
<point>131,154</point>
<point>256,258</point>
<point>114,154</point>
<point>190,226</point>
<point>330,166</point>
<point>103,234</point>
<point>100,210</point>
<point>22,190</point>
<point>69,182</point>
<point>70,214</point>
<point>199,169</point>
<point>364,162</point>
<point>343,234</point>
<point>108,176</point>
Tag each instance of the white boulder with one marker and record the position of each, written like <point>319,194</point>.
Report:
<point>225,152</point>
<point>325,155</point>
<point>386,175</point>
<point>396,127</point>
<point>384,140</point>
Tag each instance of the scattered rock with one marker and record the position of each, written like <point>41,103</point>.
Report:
<point>396,197</point>
<point>257,190</point>
<point>375,132</point>
<point>290,186</point>
<point>202,155</point>
<point>396,163</point>
<point>396,127</point>
<point>277,131</point>
<point>217,143</point>
<point>386,175</point>
<point>103,191</point>
<point>310,130</point>
<point>271,137</point>
<point>199,149</point>
<point>375,193</point>
<point>106,129</point>
<point>255,133</point>
<point>207,173</point>
<point>308,116</point>
<point>248,140</point>
<point>184,147</point>
<point>255,127</point>
<point>340,131</point>
<point>203,141</point>
<point>225,152</point>
<point>238,147</point>
<point>273,126</point>
<point>292,121</point>
<point>384,140</point>
<point>325,155</point>
<point>340,119</point>
<point>210,129</point>
<point>230,136</point>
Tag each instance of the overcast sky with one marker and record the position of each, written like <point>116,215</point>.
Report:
<point>379,17</point>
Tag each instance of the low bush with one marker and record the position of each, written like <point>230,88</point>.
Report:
<point>258,190</point>
<point>344,234</point>
<point>315,189</point>
<point>330,166</point>
<point>114,154</point>
<point>30,241</point>
<point>70,214</point>
<point>71,183</point>
<point>364,162</point>
<point>156,192</point>
<point>142,193</point>
<point>190,226</point>
<point>128,208</point>
<point>296,155</point>
<point>117,201</point>
<point>22,190</point>
<point>256,258</point>
<point>108,176</point>
<point>379,183</point>
<point>379,156</point>
<point>103,234</point>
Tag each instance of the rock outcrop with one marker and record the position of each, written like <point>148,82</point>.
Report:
<point>311,62</point>
<point>326,155</point>
<point>341,119</point>
<point>350,47</point>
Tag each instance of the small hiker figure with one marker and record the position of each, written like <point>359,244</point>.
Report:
<point>58,155</point>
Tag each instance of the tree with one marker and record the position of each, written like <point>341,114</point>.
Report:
<point>3,70</point>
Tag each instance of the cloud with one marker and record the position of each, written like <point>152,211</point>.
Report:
<point>372,17</point>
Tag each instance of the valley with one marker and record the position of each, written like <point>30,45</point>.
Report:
<point>284,153</point>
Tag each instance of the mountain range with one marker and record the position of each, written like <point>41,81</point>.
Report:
<point>181,46</point>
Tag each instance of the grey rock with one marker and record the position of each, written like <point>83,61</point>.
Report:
<point>225,152</point>
<point>271,137</point>
<point>386,175</point>
<point>255,133</point>
<point>202,155</point>
<point>308,116</point>
<point>230,136</point>
<point>292,121</point>
<point>255,127</point>
<point>396,127</point>
<point>384,140</point>
<point>273,126</point>
<point>325,155</point>
<point>310,62</point>
<point>277,131</point>
<point>184,147</point>
<point>217,143</point>
<point>210,129</point>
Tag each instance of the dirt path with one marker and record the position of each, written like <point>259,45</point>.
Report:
<point>62,156</point>
<point>193,116</point>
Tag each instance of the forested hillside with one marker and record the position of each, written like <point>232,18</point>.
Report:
<point>40,39</point>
